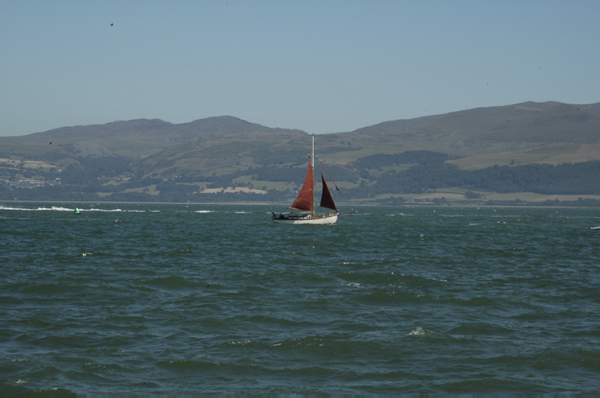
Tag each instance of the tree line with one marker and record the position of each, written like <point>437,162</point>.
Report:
<point>431,172</point>
<point>413,172</point>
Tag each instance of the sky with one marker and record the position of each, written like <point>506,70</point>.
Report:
<point>322,66</point>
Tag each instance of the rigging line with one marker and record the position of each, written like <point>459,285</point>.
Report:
<point>332,180</point>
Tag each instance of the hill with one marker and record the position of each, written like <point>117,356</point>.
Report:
<point>133,139</point>
<point>146,159</point>
<point>549,132</point>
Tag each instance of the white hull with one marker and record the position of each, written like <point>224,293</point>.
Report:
<point>318,220</point>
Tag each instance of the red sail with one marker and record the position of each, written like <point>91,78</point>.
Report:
<point>326,198</point>
<point>304,201</point>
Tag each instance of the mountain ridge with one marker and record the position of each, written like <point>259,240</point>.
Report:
<point>547,132</point>
<point>548,148</point>
<point>137,138</point>
<point>518,122</point>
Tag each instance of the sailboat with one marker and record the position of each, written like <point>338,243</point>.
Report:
<point>305,202</point>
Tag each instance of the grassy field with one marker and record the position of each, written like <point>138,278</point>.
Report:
<point>26,164</point>
<point>457,195</point>
<point>555,155</point>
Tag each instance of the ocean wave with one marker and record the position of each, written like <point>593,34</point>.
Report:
<point>69,209</point>
<point>223,303</point>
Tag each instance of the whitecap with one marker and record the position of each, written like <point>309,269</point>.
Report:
<point>419,331</point>
<point>15,208</point>
<point>57,208</point>
<point>53,208</point>
<point>241,342</point>
<point>438,280</point>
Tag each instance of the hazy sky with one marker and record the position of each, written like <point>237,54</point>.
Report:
<point>321,66</point>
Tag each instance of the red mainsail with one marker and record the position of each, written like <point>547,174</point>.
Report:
<point>326,198</point>
<point>304,201</point>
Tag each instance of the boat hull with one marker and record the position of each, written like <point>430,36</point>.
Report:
<point>299,220</point>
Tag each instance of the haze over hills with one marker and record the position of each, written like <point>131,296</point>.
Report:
<point>225,151</point>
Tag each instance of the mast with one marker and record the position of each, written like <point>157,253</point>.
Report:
<point>312,165</point>
<point>306,197</point>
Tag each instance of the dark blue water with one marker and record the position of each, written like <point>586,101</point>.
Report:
<point>178,299</point>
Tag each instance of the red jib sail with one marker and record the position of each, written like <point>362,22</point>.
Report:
<point>326,198</point>
<point>304,201</point>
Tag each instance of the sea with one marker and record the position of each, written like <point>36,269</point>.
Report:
<point>186,299</point>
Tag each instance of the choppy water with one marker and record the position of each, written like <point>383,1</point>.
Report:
<point>177,299</point>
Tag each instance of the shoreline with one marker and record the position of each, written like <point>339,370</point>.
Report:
<point>522,204</point>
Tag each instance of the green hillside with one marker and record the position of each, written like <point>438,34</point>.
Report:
<point>489,150</point>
